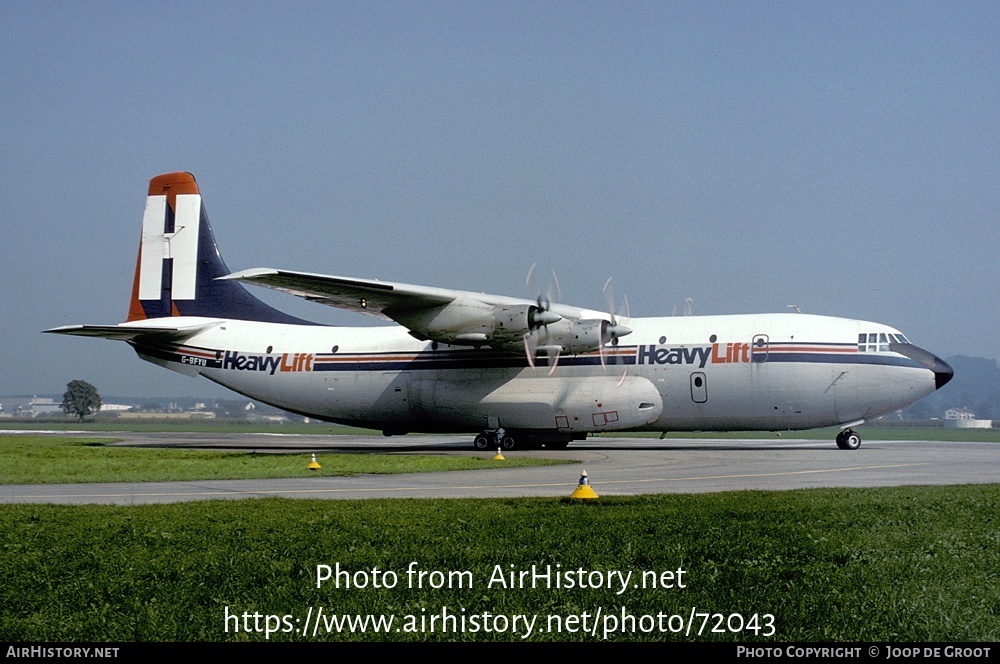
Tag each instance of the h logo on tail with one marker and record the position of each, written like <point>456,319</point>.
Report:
<point>168,260</point>
<point>179,263</point>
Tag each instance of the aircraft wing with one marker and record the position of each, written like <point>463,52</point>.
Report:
<point>367,296</point>
<point>445,315</point>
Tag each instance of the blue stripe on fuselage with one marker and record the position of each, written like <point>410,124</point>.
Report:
<point>484,360</point>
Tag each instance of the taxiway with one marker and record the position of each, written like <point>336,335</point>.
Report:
<point>616,466</point>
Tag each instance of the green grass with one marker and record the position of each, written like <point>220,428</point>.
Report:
<point>54,460</point>
<point>910,564</point>
<point>183,426</point>
<point>898,564</point>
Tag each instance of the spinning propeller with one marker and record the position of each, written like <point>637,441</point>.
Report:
<point>541,316</point>
<point>611,332</point>
<point>550,333</point>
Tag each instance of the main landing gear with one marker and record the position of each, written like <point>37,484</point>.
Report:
<point>848,439</point>
<point>507,439</point>
<point>483,441</point>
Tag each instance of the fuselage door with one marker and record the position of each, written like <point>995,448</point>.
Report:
<point>394,403</point>
<point>699,387</point>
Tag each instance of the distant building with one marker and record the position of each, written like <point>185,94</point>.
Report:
<point>963,418</point>
<point>959,414</point>
<point>43,406</point>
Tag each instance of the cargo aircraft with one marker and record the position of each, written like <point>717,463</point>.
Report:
<point>515,372</point>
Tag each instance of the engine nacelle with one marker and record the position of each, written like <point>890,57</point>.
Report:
<point>512,322</point>
<point>573,337</point>
<point>473,323</point>
<point>505,327</point>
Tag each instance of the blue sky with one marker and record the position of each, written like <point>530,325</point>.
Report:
<point>838,156</point>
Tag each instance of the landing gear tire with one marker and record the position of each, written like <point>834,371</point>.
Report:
<point>511,441</point>
<point>482,442</point>
<point>848,440</point>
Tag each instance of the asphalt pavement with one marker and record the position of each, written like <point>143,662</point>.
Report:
<point>615,467</point>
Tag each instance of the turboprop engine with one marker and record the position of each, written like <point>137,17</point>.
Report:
<point>512,327</point>
<point>572,337</point>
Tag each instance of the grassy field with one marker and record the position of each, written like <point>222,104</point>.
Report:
<point>59,460</point>
<point>899,564</point>
<point>833,565</point>
<point>182,426</point>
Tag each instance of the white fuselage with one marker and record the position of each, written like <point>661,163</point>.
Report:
<point>716,373</point>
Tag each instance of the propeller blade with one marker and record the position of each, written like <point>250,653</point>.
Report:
<point>555,284</point>
<point>609,297</point>
<point>528,353</point>
<point>622,379</point>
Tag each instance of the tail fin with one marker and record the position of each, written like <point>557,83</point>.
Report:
<point>175,274</point>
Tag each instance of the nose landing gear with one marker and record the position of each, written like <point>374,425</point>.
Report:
<point>848,439</point>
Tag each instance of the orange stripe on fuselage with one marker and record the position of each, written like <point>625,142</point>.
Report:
<point>369,358</point>
<point>212,355</point>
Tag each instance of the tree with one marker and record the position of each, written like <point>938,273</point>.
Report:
<point>80,399</point>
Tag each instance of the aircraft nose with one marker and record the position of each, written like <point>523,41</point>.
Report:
<point>942,370</point>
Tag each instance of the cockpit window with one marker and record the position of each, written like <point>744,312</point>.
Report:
<point>878,342</point>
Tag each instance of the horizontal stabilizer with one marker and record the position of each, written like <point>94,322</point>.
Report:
<point>127,332</point>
